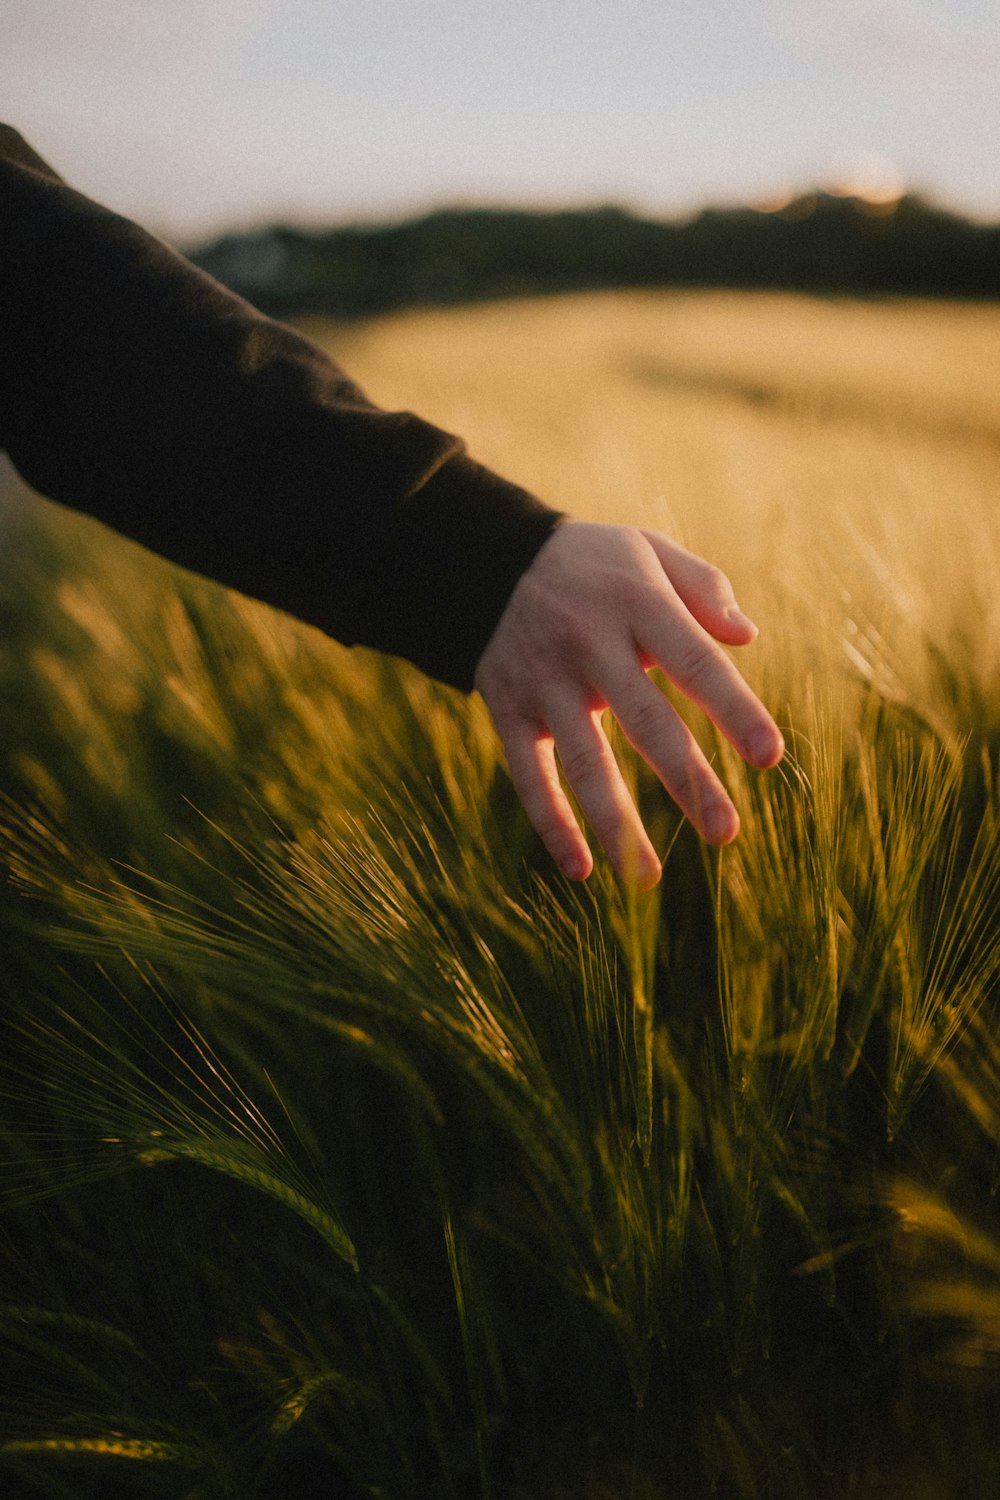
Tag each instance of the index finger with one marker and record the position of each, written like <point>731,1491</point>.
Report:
<point>657,732</point>
<point>672,639</point>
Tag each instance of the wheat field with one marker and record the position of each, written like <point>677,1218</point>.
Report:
<point>348,1149</point>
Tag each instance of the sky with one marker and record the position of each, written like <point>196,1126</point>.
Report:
<point>195,116</point>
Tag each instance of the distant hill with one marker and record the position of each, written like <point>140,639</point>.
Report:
<point>819,242</point>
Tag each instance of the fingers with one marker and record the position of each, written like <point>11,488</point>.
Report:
<point>531,762</point>
<point>676,639</point>
<point>706,675</point>
<point>591,770</point>
<point>704,589</point>
<point>660,736</point>
<point>598,606</point>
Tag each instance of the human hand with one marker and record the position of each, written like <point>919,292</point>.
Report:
<point>597,608</point>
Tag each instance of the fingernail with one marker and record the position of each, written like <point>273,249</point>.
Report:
<point>735,616</point>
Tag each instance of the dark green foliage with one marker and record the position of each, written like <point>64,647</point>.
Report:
<point>349,1153</point>
<point>818,243</point>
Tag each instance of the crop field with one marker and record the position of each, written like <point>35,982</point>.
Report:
<point>350,1151</point>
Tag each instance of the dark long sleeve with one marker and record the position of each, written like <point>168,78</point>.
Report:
<point>135,388</point>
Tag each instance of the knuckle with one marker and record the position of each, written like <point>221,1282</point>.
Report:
<point>569,633</point>
<point>643,718</point>
<point>643,593</point>
<point>552,618</point>
<point>507,720</point>
<point>580,763</point>
<point>695,664</point>
<point>497,685</point>
<point>717,583</point>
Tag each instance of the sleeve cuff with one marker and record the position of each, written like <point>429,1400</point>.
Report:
<point>456,548</point>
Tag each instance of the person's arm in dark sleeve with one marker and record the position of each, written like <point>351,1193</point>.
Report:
<point>135,388</point>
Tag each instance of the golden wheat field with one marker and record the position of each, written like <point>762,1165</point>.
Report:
<point>839,459</point>
<point>348,1149</point>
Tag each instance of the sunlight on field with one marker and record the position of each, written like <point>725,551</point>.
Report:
<point>838,459</point>
<point>324,1101</point>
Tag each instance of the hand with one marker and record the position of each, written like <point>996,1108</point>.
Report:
<point>596,609</point>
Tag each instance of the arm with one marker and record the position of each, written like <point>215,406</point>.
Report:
<point>137,389</point>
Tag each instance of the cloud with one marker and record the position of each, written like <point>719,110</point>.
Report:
<point>906,41</point>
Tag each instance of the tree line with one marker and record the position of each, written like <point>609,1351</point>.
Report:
<point>820,242</point>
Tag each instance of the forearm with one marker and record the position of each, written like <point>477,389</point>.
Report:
<point>135,388</point>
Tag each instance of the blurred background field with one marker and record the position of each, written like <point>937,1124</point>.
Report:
<point>349,1147</point>
<point>838,458</point>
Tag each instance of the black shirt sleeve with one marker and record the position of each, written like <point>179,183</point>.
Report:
<point>136,388</point>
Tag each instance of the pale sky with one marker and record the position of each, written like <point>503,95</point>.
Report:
<point>197,115</point>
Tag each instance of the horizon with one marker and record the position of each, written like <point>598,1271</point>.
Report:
<point>197,122</point>
<point>778,205</point>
